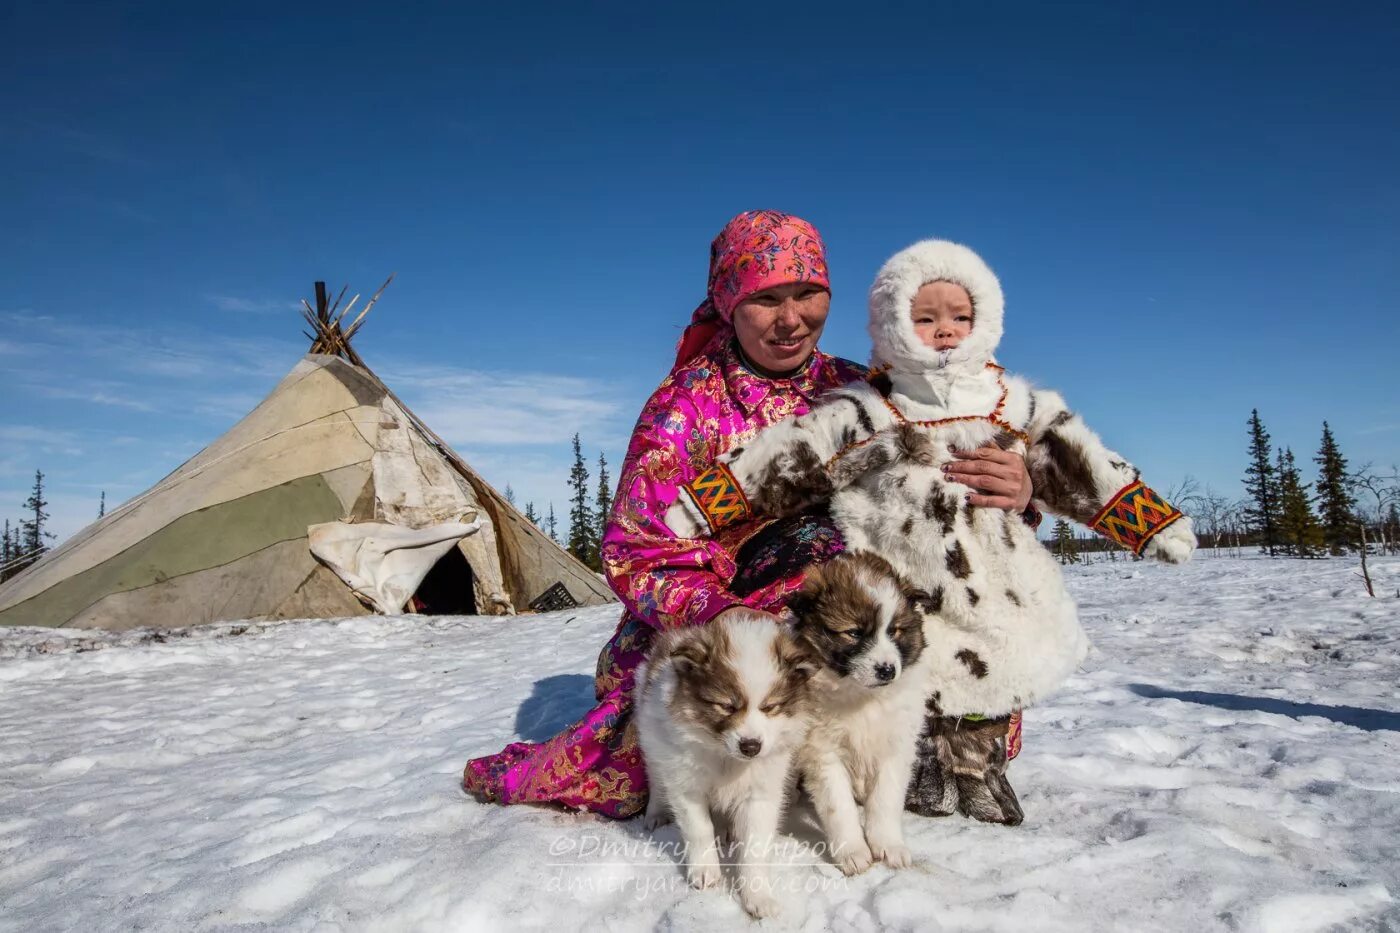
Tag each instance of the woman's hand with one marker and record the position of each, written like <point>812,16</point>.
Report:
<point>998,478</point>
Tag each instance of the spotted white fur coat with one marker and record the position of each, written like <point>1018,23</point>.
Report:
<point>1001,628</point>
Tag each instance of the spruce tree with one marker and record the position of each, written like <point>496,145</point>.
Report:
<point>602,509</point>
<point>1334,503</point>
<point>102,504</point>
<point>1298,526</point>
<point>1261,481</point>
<point>510,494</point>
<point>531,514</point>
<point>551,525</point>
<point>1065,548</point>
<point>581,539</point>
<point>33,535</point>
<point>6,554</point>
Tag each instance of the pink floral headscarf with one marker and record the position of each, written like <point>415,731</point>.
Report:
<point>754,251</point>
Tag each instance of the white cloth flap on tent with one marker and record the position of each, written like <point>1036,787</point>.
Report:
<point>385,563</point>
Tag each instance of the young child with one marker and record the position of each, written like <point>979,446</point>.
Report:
<point>1001,627</point>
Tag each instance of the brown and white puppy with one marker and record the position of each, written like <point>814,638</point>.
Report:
<point>721,710</point>
<point>862,621</point>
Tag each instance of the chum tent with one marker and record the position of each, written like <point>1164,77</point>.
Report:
<point>329,499</point>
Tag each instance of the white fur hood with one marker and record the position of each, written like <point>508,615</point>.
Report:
<point>895,344</point>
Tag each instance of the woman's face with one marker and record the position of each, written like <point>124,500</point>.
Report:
<point>779,326</point>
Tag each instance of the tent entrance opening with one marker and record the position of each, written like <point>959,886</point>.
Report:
<point>447,589</point>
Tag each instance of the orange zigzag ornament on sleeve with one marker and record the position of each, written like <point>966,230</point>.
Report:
<point>718,495</point>
<point>1133,516</point>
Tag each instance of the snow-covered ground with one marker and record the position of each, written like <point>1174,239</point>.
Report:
<point>1229,760</point>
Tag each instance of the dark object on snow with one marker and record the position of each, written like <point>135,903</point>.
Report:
<point>962,767</point>
<point>554,599</point>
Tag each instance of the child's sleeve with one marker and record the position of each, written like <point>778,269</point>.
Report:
<point>786,468</point>
<point>1076,476</point>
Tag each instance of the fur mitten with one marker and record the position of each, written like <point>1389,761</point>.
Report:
<point>1174,543</point>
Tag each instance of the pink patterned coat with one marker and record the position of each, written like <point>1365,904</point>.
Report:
<point>703,409</point>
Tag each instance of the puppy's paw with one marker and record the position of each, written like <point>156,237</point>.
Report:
<point>888,846</point>
<point>853,858</point>
<point>704,874</point>
<point>1174,544</point>
<point>655,819</point>
<point>760,902</point>
<point>895,856</point>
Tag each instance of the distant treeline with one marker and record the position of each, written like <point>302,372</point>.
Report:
<point>25,541</point>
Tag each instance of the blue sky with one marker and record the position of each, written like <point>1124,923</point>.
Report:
<point>1193,211</point>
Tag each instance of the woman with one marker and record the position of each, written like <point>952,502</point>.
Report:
<point>748,359</point>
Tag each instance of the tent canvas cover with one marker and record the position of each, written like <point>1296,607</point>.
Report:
<point>330,456</point>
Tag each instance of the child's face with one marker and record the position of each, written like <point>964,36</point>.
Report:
<point>942,314</point>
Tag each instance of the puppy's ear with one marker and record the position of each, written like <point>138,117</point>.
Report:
<point>805,601</point>
<point>874,563</point>
<point>800,604</point>
<point>690,656</point>
<point>797,657</point>
<point>805,669</point>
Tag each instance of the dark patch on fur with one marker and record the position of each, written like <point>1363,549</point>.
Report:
<point>877,457</point>
<point>900,481</point>
<point>1030,415</point>
<point>907,527</point>
<point>1005,440</point>
<point>838,617</point>
<point>930,602</point>
<point>881,383</point>
<point>1062,418</point>
<point>848,436</point>
<point>941,508</point>
<point>863,417</point>
<point>1007,537</point>
<point>863,460</point>
<point>975,664</point>
<point>792,480</point>
<point>1124,465</point>
<point>972,597</point>
<point>1011,595</point>
<point>913,443</point>
<point>956,559</point>
<point>1064,478</point>
<point>735,452</point>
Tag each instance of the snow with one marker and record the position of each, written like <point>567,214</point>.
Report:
<point>1226,761</point>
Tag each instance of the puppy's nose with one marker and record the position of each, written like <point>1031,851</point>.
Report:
<point>884,672</point>
<point>750,747</point>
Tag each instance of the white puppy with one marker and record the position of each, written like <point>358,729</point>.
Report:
<point>721,709</point>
